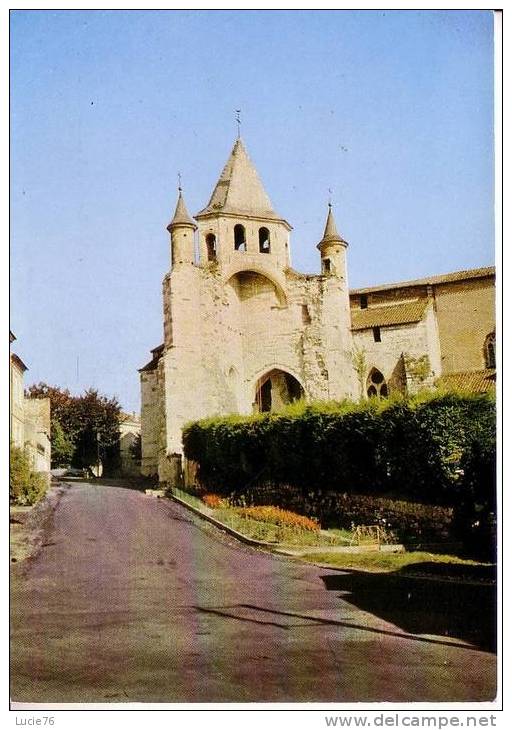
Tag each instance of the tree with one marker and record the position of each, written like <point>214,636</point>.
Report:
<point>90,422</point>
<point>359,365</point>
<point>63,446</point>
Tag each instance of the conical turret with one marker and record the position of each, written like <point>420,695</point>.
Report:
<point>332,248</point>
<point>182,229</point>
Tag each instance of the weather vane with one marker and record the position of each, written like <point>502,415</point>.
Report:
<point>330,197</point>
<point>238,120</point>
<point>179,181</point>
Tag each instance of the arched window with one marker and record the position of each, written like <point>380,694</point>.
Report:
<point>239,233</point>
<point>326,266</point>
<point>264,235</point>
<point>376,384</point>
<point>490,350</point>
<point>211,247</point>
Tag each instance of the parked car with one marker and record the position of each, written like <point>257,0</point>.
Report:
<point>73,472</point>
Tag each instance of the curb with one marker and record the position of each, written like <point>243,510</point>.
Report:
<point>274,548</point>
<point>224,527</point>
<point>280,550</point>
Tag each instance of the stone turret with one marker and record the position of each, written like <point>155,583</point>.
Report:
<point>182,229</point>
<point>332,249</point>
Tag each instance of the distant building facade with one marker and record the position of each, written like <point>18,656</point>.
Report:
<point>129,433</point>
<point>29,426</point>
<point>245,332</point>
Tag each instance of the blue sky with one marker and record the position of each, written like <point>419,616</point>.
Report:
<point>391,110</point>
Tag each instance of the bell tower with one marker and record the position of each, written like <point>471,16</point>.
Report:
<point>239,226</point>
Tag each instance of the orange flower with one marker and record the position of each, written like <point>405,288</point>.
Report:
<point>278,516</point>
<point>212,500</point>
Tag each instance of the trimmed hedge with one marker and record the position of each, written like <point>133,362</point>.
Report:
<point>414,449</point>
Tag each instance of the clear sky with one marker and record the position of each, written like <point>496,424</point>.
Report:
<point>391,110</point>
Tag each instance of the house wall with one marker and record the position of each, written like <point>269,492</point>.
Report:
<point>37,433</point>
<point>465,315</point>
<point>17,401</point>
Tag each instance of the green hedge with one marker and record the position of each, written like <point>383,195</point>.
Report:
<point>414,449</point>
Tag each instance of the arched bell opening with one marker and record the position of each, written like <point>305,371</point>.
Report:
<point>275,390</point>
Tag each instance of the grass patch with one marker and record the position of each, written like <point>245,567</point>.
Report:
<point>189,499</point>
<point>389,562</point>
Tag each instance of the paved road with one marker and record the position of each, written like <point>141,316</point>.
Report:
<point>135,599</point>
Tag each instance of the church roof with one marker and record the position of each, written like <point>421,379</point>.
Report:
<point>478,381</point>
<point>331,234</point>
<point>239,190</point>
<point>153,363</point>
<point>480,273</point>
<point>181,216</point>
<point>389,315</point>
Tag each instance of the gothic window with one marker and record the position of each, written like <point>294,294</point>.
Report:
<point>376,385</point>
<point>326,266</point>
<point>211,247</point>
<point>490,350</point>
<point>376,334</point>
<point>363,301</point>
<point>264,236</point>
<point>239,234</point>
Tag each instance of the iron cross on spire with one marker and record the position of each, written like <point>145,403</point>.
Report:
<point>238,120</point>
<point>330,197</point>
<point>179,182</point>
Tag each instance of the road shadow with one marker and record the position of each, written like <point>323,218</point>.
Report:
<point>418,605</point>
<point>134,483</point>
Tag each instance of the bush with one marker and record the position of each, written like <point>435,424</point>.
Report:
<point>411,522</point>
<point>411,448</point>
<point>475,513</point>
<point>25,486</point>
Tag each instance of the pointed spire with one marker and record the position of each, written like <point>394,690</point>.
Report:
<point>181,216</point>
<point>331,234</point>
<point>239,190</point>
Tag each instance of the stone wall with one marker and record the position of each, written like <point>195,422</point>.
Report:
<point>37,433</point>
<point>231,328</point>
<point>465,315</point>
<point>151,420</point>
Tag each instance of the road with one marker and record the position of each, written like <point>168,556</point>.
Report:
<point>135,599</point>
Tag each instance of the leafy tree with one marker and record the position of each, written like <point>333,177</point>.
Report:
<point>90,422</point>
<point>63,446</point>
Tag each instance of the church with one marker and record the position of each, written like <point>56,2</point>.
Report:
<point>244,332</point>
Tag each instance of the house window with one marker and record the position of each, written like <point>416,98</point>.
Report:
<point>363,301</point>
<point>264,237</point>
<point>239,235</point>
<point>211,247</point>
<point>326,266</point>
<point>376,385</point>
<point>490,350</point>
<point>376,334</point>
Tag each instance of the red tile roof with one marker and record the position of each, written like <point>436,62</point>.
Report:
<point>388,315</point>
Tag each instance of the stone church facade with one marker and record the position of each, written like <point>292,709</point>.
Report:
<point>245,332</point>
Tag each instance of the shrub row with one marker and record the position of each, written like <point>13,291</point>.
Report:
<point>425,449</point>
